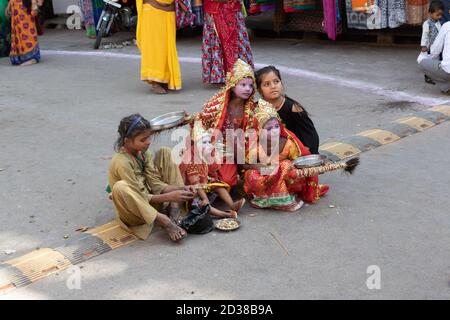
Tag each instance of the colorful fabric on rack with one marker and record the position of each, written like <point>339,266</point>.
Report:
<point>258,6</point>
<point>363,5</point>
<point>355,19</point>
<point>416,11</point>
<point>330,18</point>
<point>197,8</point>
<point>393,13</point>
<point>299,5</point>
<point>384,14</point>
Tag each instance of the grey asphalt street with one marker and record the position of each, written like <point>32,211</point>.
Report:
<point>58,122</point>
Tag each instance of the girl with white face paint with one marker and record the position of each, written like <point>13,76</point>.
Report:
<point>200,167</point>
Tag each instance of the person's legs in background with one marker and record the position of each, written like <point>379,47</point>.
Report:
<point>433,70</point>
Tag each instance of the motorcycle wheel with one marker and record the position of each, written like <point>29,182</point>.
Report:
<point>101,32</point>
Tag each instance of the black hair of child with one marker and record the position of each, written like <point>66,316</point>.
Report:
<point>27,5</point>
<point>263,71</point>
<point>435,6</point>
<point>141,126</point>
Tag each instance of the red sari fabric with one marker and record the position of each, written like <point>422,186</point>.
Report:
<point>215,116</point>
<point>309,187</point>
<point>283,189</point>
<point>225,21</point>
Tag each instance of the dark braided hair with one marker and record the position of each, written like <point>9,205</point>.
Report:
<point>124,129</point>
<point>262,72</point>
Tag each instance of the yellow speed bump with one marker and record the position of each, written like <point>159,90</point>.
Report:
<point>40,263</point>
<point>442,109</point>
<point>380,136</point>
<point>113,235</point>
<point>417,123</point>
<point>341,150</point>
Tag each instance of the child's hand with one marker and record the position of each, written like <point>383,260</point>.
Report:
<point>204,202</point>
<point>190,189</point>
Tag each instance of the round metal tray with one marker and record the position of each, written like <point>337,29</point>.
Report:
<point>221,224</point>
<point>310,161</point>
<point>168,120</point>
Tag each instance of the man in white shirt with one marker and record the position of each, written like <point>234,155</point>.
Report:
<point>436,70</point>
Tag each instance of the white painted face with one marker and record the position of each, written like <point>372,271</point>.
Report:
<point>244,88</point>
<point>271,130</point>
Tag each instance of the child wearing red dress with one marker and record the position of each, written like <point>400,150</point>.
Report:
<point>199,167</point>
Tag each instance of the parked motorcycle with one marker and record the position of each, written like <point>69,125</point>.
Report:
<point>120,14</point>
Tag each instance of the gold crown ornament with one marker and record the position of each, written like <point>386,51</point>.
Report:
<point>241,70</point>
<point>264,112</point>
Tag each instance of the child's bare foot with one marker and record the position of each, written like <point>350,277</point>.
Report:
<point>238,205</point>
<point>29,62</point>
<point>231,214</point>
<point>175,232</point>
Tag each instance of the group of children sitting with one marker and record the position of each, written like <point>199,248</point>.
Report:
<point>144,186</point>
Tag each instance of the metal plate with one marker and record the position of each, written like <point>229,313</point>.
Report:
<point>168,120</point>
<point>310,161</point>
<point>227,224</point>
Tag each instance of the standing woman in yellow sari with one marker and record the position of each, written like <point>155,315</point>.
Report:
<point>24,41</point>
<point>156,39</point>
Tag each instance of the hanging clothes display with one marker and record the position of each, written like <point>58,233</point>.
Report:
<point>393,13</point>
<point>416,11</point>
<point>379,15</point>
<point>363,5</point>
<point>299,5</point>
<point>356,19</point>
<point>330,18</point>
<point>197,9</point>
<point>258,6</point>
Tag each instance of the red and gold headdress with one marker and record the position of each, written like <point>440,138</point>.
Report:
<point>241,70</point>
<point>264,112</point>
<point>214,110</point>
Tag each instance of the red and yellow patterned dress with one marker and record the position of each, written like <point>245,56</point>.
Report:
<point>280,187</point>
<point>215,116</point>
<point>24,41</point>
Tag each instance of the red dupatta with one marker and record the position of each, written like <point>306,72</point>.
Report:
<point>225,24</point>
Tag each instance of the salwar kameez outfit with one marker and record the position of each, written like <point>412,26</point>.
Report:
<point>156,39</point>
<point>225,40</point>
<point>24,38</point>
<point>133,181</point>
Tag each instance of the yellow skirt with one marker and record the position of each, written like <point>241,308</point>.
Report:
<point>159,58</point>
